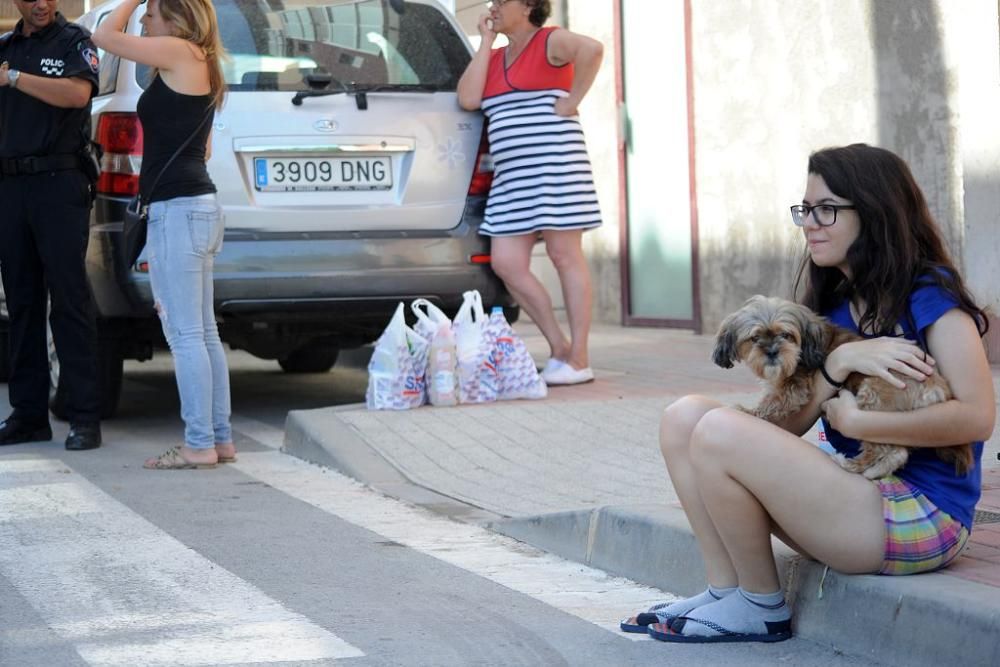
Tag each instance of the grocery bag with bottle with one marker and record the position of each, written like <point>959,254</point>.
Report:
<point>442,371</point>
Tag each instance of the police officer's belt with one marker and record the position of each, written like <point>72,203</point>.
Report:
<point>35,164</point>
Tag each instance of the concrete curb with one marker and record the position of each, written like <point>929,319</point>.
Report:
<point>320,436</point>
<point>891,620</point>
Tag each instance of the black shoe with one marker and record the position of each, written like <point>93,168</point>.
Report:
<point>83,436</point>
<point>13,431</point>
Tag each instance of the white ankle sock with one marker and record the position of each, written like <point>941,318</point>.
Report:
<point>744,613</point>
<point>666,612</point>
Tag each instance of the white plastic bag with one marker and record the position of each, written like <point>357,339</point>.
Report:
<point>477,373</point>
<point>516,372</point>
<point>429,318</point>
<point>397,367</point>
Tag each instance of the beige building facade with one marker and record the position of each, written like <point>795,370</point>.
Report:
<point>704,114</point>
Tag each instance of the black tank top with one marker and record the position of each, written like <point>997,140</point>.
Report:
<point>168,119</point>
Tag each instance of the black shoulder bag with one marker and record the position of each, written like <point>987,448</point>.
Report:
<point>137,213</point>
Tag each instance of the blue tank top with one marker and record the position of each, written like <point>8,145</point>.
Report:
<point>933,477</point>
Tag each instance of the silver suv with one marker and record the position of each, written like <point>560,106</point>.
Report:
<point>349,176</point>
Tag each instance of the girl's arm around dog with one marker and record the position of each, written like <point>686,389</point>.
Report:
<point>969,417</point>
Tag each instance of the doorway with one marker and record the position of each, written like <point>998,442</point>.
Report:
<point>660,232</point>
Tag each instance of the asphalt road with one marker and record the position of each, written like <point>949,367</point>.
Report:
<point>272,561</point>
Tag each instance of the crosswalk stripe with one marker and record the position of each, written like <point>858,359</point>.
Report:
<point>584,592</point>
<point>126,593</point>
<point>263,433</point>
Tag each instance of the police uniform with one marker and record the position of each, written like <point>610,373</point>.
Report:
<point>44,227</point>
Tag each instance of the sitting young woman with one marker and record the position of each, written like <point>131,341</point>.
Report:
<point>874,259</point>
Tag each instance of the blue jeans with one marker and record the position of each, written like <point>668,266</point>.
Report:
<point>184,236</point>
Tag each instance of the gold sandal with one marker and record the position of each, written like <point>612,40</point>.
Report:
<point>226,459</point>
<point>172,459</point>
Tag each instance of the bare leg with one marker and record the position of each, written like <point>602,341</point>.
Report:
<point>750,473</point>
<point>676,426</point>
<point>678,421</point>
<point>511,260</point>
<point>565,249</point>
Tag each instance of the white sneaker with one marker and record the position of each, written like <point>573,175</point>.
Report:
<point>551,365</point>
<point>566,374</point>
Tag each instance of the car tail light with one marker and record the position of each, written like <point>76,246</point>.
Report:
<point>120,134</point>
<point>482,177</point>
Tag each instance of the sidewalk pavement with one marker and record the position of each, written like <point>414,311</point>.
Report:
<point>579,474</point>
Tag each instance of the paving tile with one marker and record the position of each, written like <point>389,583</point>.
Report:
<point>973,570</point>
<point>986,535</point>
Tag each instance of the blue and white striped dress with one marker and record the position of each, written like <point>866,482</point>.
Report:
<point>542,174</point>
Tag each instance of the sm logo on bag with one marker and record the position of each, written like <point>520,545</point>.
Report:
<point>414,385</point>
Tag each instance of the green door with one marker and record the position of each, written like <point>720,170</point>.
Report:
<point>660,288</point>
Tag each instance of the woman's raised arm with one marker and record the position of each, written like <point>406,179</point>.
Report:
<point>163,53</point>
<point>473,81</point>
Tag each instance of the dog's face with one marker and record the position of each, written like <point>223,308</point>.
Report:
<point>773,337</point>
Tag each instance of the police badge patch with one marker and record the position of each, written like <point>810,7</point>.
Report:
<point>89,56</point>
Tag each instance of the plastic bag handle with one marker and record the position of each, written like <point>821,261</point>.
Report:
<point>433,316</point>
<point>477,306</point>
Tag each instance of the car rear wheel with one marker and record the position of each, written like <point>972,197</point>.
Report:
<point>110,368</point>
<point>310,359</point>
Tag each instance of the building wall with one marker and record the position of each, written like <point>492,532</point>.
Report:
<point>777,79</point>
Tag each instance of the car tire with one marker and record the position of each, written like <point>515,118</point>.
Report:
<point>310,359</point>
<point>110,368</point>
<point>4,355</point>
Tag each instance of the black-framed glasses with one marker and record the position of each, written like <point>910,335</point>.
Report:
<point>824,214</point>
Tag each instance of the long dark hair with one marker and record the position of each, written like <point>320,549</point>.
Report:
<point>898,246</point>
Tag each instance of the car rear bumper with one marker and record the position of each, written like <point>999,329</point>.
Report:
<point>312,276</point>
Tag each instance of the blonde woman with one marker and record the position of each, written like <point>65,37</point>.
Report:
<point>182,44</point>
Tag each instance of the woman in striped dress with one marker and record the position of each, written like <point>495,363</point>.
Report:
<point>542,183</point>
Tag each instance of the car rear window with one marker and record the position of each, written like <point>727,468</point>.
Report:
<point>274,46</point>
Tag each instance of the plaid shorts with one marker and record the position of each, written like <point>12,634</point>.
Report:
<point>919,536</point>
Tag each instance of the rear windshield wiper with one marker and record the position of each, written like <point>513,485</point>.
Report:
<point>360,90</point>
<point>397,87</point>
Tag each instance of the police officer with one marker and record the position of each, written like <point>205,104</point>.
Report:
<point>48,74</point>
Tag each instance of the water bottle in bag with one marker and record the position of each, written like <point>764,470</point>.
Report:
<point>442,388</point>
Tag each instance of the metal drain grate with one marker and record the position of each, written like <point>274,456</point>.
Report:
<point>982,516</point>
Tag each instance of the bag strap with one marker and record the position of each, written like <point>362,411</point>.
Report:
<point>209,114</point>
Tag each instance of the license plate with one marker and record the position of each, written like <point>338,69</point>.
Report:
<point>284,174</point>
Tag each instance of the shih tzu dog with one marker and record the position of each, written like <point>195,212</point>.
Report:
<point>785,343</point>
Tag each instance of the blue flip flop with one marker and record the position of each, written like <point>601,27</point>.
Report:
<point>776,632</point>
<point>645,619</point>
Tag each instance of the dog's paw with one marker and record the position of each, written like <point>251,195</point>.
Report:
<point>850,465</point>
<point>876,472</point>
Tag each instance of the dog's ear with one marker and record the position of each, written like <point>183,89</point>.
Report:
<point>725,354</point>
<point>816,333</point>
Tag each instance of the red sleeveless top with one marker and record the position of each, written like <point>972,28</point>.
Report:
<point>530,71</point>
